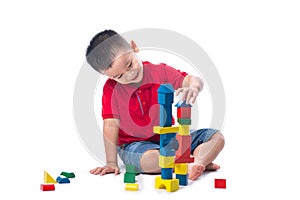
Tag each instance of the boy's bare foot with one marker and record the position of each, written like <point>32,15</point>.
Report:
<point>195,171</point>
<point>212,167</point>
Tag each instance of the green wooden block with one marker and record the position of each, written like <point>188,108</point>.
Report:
<point>184,121</point>
<point>131,169</point>
<point>129,177</point>
<point>68,174</point>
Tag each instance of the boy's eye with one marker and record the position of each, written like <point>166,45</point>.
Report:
<point>130,65</point>
<point>120,76</point>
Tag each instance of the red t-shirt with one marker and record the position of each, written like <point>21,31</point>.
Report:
<point>136,106</point>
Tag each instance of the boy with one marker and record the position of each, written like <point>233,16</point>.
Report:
<point>130,109</point>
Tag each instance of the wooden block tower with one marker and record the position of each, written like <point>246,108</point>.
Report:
<point>168,143</point>
<point>183,137</point>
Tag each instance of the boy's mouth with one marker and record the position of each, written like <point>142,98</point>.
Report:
<point>135,76</point>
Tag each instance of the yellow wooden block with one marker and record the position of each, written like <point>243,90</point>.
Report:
<point>132,186</point>
<point>166,161</point>
<point>48,178</point>
<point>181,168</point>
<point>164,130</point>
<point>171,185</point>
<point>184,130</point>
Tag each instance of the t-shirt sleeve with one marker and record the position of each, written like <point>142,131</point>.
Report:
<point>109,103</point>
<point>174,76</point>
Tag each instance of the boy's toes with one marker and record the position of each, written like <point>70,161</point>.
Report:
<point>212,167</point>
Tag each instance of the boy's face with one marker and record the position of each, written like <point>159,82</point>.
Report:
<point>127,68</point>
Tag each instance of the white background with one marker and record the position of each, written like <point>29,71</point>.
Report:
<point>254,45</point>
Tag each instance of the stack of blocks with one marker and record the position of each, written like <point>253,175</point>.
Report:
<point>129,178</point>
<point>169,158</point>
<point>183,137</point>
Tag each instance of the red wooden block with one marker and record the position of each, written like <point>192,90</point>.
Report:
<point>184,112</point>
<point>184,159</point>
<point>47,187</point>
<point>184,147</point>
<point>220,183</point>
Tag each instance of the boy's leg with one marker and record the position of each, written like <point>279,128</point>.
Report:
<point>206,145</point>
<point>149,161</point>
<point>143,155</point>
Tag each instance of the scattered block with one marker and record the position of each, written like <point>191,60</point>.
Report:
<point>132,186</point>
<point>220,183</point>
<point>61,180</point>
<point>129,177</point>
<point>47,187</point>
<point>68,174</point>
<point>48,178</point>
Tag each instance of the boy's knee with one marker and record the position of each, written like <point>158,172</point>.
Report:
<point>219,137</point>
<point>149,161</point>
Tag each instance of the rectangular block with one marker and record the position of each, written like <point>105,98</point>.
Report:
<point>181,168</point>
<point>166,161</point>
<point>165,130</point>
<point>129,177</point>
<point>47,187</point>
<point>166,173</point>
<point>220,183</point>
<point>132,186</point>
<point>184,147</point>
<point>184,130</point>
<point>183,179</point>
<point>165,98</point>
<point>165,115</point>
<point>184,121</point>
<point>166,152</point>
<point>184,112</point>
<point>184,159</point>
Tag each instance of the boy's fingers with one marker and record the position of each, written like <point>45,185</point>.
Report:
<point>178,91</point>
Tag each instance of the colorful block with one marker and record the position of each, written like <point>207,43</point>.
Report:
<point>184,148</point>
<point>181,159</point>
<point>47,187</point>
<point>166,152</point>
<point>166,161</point>
<point>182,104</point>
<point>220,183</point>
<point>132,186</point>
<point>48,178</point>
<point>164,130</point>
<point>129,177</point>
<point>68,174</point>
<point>131,169</point>
<point>181,168</point>
<point>63,179</point>
<point>184,121</point>
<point>171,185</point>
<point>184,130</point>
<point>165,99</point>
<point>184,112</point>
<point>166,173</point>
<point>183,179</point>
<point>165,115</point>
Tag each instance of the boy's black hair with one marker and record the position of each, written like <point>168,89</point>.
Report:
<point>97,54</point>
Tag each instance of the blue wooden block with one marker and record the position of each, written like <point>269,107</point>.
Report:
<point>167,152</point>
<point>165,139</point>
<point>60,179</point>
<point>165,115</point>
<point>181,104</point>
<point>166,88</point>
<point>165,99</point>
<point>166,173</point>
<point>183,179</point>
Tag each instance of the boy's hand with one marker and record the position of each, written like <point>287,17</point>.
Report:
<point>107,169</point>
<point>189,94</point>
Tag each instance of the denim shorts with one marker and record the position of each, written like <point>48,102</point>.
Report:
<point>131,153</point>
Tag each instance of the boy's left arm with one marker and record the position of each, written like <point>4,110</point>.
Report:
<point>191,87</point>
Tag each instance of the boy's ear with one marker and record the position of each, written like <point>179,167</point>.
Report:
<point>134,46</point>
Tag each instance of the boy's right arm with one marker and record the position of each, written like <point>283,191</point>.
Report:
<point>110,136</point>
